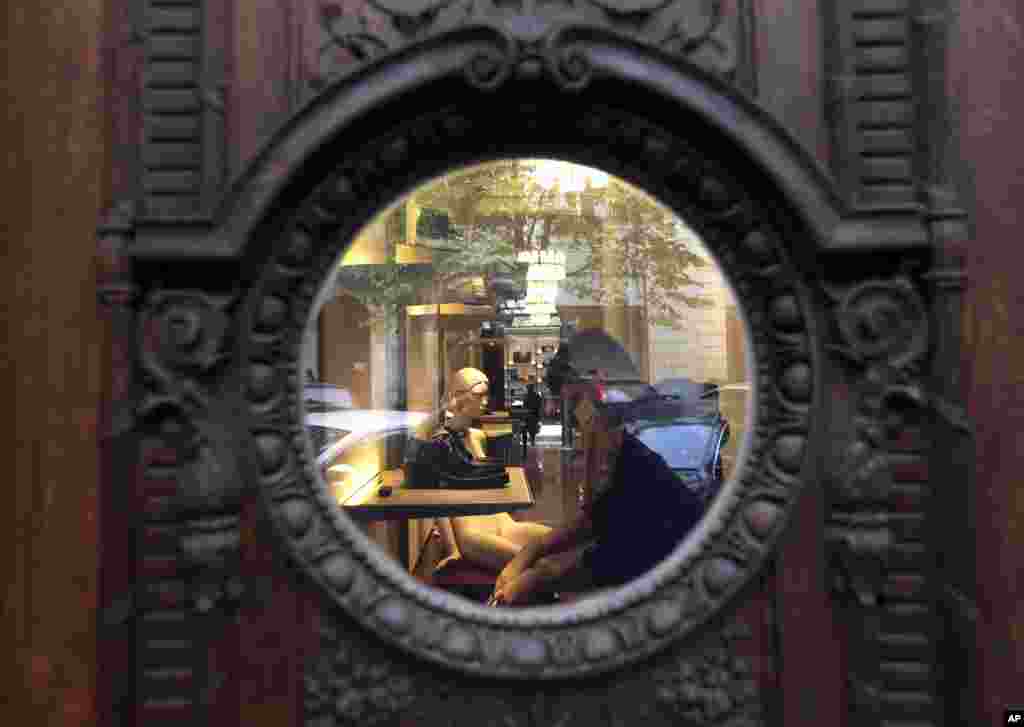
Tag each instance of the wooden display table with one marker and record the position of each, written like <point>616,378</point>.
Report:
<point>368,504</point>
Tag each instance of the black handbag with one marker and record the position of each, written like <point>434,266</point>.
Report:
<point>444,461</point>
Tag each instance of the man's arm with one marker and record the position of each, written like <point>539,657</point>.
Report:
<point>564,538</point>
<point>558,540</point>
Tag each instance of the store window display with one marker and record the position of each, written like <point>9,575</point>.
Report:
<point>434,345</point>
<point>489,542</point>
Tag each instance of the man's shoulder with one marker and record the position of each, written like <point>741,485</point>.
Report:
<point>656,470</point>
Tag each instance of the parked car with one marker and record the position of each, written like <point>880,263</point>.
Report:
<point>692,446</point>
<point>337,430</point>
<point>319,396</point>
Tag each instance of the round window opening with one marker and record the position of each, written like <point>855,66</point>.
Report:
<point>526,383</point>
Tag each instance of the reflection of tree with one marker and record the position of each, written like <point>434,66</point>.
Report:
<point>635,249</point>
<point>505,198</point>
<point>632,247</point>
<point>463,269</point>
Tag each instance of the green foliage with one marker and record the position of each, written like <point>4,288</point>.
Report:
<point>505,198</point>
<point>632,247</point>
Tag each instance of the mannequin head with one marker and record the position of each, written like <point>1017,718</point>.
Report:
<point>467,393</point>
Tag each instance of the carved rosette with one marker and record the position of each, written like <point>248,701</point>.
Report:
<point>183,336</point>
<point>746,233</point>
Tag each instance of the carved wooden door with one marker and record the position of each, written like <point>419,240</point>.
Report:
<point>814,596</point>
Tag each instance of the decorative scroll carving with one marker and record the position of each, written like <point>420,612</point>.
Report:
<point>703,33</point>
<point>185,342</point>
<point>185,335</point>
<point>884,333</point>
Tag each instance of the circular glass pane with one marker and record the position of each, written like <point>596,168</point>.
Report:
<point>526,381</point>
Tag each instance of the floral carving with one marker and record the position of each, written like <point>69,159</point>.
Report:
<point>884,331</point>
<point>701,32</point>
<point>184,343</point>
<point>542,711</point>
<point>184,337</point>
<point>884,339</point>
<point>713,685</point>
<point>349,682</point>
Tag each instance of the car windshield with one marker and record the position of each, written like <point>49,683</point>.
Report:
<point>324,437</point>
<point>325,397</point>
<point>682,445</point>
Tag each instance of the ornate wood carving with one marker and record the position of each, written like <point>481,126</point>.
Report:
<point>217,367</point>
<point>352,682</point>
<point>646,614</point>
<point>891,129</point>
<point>882,566</point>
<point>715,35</point>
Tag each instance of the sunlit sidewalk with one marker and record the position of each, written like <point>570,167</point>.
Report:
<point>550,435</point>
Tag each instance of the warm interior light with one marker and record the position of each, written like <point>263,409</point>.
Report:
<point>361,464</point>
<point>341,480</point>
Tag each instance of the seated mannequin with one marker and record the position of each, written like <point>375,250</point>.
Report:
<point>486,541</point>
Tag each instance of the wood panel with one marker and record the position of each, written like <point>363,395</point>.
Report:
<point>986,53</point>
<point>263,75</point>
<point>788,44</point>
<point>54,358</point>
<point>788,55</point>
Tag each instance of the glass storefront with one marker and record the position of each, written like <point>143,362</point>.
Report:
<point>475,315</point>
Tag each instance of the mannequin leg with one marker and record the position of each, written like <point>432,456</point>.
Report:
<point>520,533</point>
<point>487,550</point>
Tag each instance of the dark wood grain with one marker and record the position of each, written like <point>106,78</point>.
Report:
<point>53,367</point>
<point>788,54</point>
<point>986,54</point>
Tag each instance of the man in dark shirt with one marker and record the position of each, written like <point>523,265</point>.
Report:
<point>532,405</point>
<point>634,514</point>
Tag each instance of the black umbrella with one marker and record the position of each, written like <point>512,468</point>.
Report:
<point>589,351</point>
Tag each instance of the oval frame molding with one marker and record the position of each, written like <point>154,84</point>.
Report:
<point>371,138</point>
